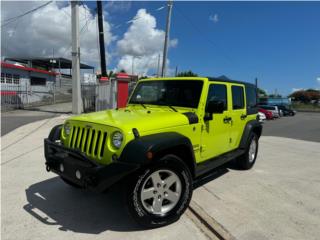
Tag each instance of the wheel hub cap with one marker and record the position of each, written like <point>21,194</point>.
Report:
<point>161,192</point>
<point>252,150</point>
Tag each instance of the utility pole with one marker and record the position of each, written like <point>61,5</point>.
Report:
<point>132,65</point>
<point>76,87</point>
<point>101,40</point>
<point>257,91</point>
<point>158,70</point>
<point>176,73</point>
<point>166,40</point>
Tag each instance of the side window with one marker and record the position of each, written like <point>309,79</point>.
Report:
<point>3,79</point>
<point>8,78</point>
<point>37,81</point>
<point>237,97</point>
<point>218,92</point>
<point>16,79</point>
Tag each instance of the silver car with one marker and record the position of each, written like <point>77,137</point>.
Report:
<point>273,109</point>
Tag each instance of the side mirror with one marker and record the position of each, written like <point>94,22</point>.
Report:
<point>214,106</point>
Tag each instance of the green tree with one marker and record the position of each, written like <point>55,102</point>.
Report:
<point>262,93</point>
<point>305,95</point>
<point>275,96</point>
<point>187,74</point>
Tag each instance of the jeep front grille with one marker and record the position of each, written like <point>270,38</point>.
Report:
<point>90,141</point>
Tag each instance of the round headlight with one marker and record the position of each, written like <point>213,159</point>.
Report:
<point>117,139</point>
<point>67,129</point>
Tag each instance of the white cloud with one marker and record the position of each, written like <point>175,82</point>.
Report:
<point>118,6</point>
<point>143,41</point>
<point>48,29</point>
<point>318,80</point>
<point>214,18</point>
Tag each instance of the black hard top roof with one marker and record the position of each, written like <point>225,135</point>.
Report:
<point>226,79</point>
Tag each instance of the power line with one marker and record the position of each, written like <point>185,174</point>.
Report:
<point>9,20</point>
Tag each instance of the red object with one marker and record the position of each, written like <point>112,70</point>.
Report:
<point>8,93</point>
<point>102,79</point>
<point>123,92</point>
<point>122,76</point>
<point>9,65</point>
<point>268,114</point>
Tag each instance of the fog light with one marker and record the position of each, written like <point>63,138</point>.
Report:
<point>61,167</point>
<point>78,174</point>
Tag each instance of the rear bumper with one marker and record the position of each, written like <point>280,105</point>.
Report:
<point>67,162</point>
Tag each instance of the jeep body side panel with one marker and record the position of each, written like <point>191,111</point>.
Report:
<point>215,132</point>
<point>210,164</point>
<point>238,113</point>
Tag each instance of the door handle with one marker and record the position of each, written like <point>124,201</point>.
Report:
<point>227,119</point>
<point>243,116</point>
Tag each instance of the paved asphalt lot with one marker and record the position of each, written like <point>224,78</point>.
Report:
<point>17,118</point>
<point>303,126</point>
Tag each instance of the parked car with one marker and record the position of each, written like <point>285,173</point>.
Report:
<point>273,109</point>
<point>286,111</point>
<point>159,144</point>
<point>267,113</point>
<point>261,117</point>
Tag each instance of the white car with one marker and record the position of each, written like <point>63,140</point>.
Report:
<point>261,117</point>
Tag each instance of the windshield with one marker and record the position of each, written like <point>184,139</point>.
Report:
<point>168,93</point>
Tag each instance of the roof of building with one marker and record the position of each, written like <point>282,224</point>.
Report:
<point>62,63</point>
<point>14,66</point>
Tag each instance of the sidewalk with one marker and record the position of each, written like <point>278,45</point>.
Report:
<point>278,199</point>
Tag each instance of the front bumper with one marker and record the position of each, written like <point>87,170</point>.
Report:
<point>93,176</point>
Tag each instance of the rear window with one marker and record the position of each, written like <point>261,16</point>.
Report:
<point>251,99</point>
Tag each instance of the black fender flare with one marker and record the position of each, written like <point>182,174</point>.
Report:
<point>251,126</point>
<point>136,151</point>
<point>55,133</point>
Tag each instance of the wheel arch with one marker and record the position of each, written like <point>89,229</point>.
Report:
<point>252,126</point>
<point>159,145</point>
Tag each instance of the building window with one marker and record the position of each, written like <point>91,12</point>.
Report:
<point>3,80</point>
<point>16,79</point>
<point>38,81</point>
<point>9,78</point>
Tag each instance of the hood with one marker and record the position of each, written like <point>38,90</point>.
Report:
<point>142,119</point>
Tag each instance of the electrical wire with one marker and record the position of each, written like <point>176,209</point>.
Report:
<point>10,20</point>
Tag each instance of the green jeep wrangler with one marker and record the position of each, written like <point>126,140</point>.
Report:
<point>172,132</point>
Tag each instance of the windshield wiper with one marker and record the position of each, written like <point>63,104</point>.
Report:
<point>173,108</point>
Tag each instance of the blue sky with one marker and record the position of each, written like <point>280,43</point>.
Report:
<point>277,42</point>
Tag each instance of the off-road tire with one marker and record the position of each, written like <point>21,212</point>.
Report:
<point>135,184</point>
<point>246,161</point>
